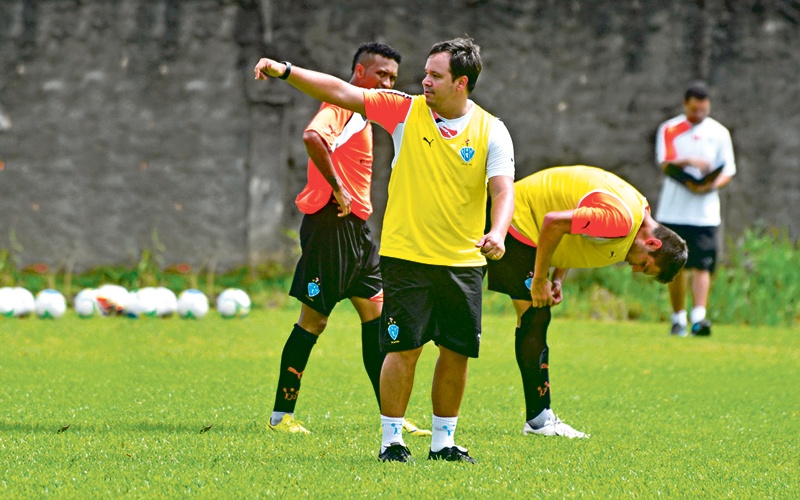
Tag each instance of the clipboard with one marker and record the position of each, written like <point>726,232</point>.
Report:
<point>680,175</point>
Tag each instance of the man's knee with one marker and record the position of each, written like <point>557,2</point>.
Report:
<point>312,321</point>
<point>407,358</point>
<point>535,318</point>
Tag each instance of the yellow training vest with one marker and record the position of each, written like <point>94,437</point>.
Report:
<point>563,188</point>
<point>436,208</point>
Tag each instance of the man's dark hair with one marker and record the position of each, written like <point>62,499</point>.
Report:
<point>698,90</point>
<point>672,255</point>
<point>378,48</point>
<point>465,59</point>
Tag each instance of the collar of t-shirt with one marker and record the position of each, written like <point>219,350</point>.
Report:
<point>451,128</point>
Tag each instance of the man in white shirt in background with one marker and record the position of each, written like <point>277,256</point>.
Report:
<point>698,145</point>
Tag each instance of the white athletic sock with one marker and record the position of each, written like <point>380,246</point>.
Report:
<point>679,317</point>
<point>698,314</point>
<point>444,429</point>
<point>538,421</point>
<point>392,431</point>
<point>277,416</point>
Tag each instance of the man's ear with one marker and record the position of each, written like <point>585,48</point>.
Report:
<point>462,82</point>
<point>652,243</point>
<point>360,70</point>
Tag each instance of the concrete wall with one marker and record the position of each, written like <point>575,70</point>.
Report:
<point>136,124</point>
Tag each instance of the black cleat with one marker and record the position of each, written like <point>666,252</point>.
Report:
<point>395,452</point>
<point>451,454</point>
<point>702,328</point>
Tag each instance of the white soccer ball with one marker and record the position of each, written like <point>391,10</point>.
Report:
<point>26,303</point>
<point>233,302</point>
<point>85,303</point>
<point>192,303</point>
<point>50,304</point>
<point>8,302</point>
<point>142,303</point>
<point>167,302</point>
<point>112,299</point>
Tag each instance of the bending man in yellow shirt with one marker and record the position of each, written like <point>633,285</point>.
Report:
<point>567,217</point>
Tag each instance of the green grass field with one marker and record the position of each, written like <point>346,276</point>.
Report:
<point>704,417</point>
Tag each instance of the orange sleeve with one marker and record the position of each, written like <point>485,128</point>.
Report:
<point>387,108</point>
<point>329,122</point>
<point>602,215</point>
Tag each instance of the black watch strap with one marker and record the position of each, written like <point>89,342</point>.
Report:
<point>288,71</point>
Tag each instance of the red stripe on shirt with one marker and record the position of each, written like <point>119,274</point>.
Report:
<point>670,133</point>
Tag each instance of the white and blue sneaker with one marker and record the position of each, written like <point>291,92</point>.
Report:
<point>553,426</point>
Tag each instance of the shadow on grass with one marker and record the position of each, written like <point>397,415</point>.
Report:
<point>189,427</point>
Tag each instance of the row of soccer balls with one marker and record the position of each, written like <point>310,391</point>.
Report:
<point>115,300</point>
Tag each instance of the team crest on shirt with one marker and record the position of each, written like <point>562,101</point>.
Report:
<point>529,281</point>
<point>394,330</point>
<point>467,152</point>
<point>313,288</point>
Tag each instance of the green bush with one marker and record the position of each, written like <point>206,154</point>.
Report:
<point>760,284</point>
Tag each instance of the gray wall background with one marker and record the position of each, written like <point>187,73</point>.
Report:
<point>131,125</point>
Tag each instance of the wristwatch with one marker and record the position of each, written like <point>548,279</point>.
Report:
<point>288,71</point>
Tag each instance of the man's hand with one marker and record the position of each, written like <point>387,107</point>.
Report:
<point>542,292</point>
<point>559,275</point>
<point>700,188</point>
<point>344,199</point>
<point>492,245</point>
<point>268,68</point>
<point>557,292</point>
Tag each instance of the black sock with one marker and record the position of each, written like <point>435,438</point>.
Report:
<point>372,355</point>
<point>532,356</point>
<point>293,363</point>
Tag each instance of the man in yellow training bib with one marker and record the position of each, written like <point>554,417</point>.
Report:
<point>571,217</point>
<point>433,245</point>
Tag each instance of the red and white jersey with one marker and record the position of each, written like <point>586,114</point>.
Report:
<point>679,138</point>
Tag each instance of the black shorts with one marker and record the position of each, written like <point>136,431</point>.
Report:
<point>702,244</point>
<point>513,273</point>
<point>425,302</point>
<point>339,260</point>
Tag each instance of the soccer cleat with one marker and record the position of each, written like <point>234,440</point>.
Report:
<point>451,454</point>
<point>554,427</point>
<point>290,425</point>
<point>678,330</point>
<point>702,328</point>
<point>413,430</point>
<point>395,452</point>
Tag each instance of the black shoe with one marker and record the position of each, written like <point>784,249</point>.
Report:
<point>702,328</point>
<point>451,454</point>
<point>395,452</point>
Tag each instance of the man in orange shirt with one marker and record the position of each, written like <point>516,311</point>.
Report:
<point>339,259</point>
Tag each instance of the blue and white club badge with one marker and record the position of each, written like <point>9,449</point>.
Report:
<point>394,330</point>
<point>313,288</point>
<point>467,153</point>
<point>528,282</point>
